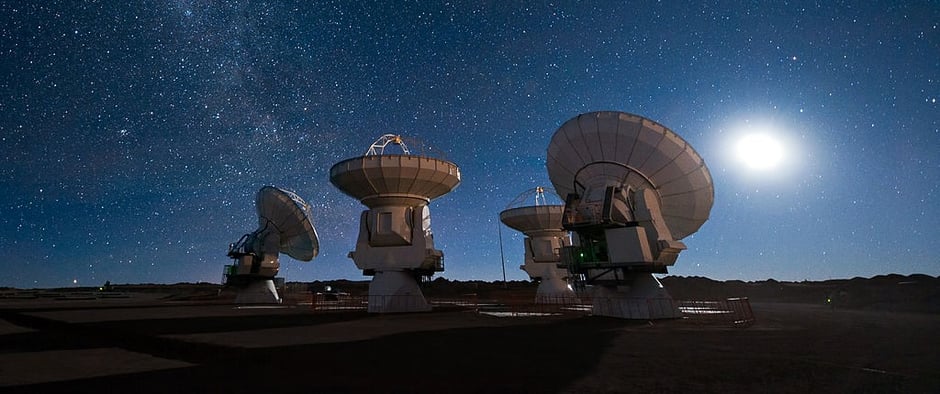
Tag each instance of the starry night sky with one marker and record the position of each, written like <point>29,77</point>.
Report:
<point>135,136</point>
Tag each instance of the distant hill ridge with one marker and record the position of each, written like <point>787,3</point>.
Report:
<point>911,293</point>
<point>893,292</point>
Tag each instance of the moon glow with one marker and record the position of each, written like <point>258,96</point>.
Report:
<point>759,151</point>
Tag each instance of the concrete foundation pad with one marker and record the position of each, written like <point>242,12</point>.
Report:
<point>10,328</point>
<point>345,331</point>
<point>59,365</point>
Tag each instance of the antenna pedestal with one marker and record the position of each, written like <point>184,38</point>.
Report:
<point>257,291</point>
<point>396,246</point>
<point>396,292</point>
<point>637,296</point>
<point>554,290</point>
<point>252,278</point>
<point>541,263</point>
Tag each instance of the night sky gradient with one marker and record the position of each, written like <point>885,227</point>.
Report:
<point>134,136</point>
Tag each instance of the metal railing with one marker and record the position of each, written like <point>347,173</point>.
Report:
<point>636,307</point>
<point>389,303</point>
<point>737,311</point>
<point>536,306</point>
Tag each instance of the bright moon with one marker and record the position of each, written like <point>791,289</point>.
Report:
<point>760,151</point>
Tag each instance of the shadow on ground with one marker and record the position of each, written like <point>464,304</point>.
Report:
<point>536,356</point>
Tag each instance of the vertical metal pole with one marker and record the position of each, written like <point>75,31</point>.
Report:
<point>499,230</point>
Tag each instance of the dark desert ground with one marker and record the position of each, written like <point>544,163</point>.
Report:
<point>865,334</point>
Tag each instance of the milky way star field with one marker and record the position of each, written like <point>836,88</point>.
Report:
<point>134,135</point>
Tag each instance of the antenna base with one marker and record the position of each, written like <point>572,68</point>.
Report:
<point>259,291</point>
<point>639,296</point>
<point>555,290</point>
<point>396,292</point>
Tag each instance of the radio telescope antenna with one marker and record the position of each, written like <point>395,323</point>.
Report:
<point>633,189</point>
<point>284,226</point>
<point>540,220</point>
<point>395,244</point>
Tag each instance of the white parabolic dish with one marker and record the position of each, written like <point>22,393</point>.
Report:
<point>531,211</point>
<point>290,215</point>
<point>387,179</point>
<point>616,148</point>
<point>533,218</point>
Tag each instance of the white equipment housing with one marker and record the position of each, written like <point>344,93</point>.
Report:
<point>395,244</point>
<point>633,189</point>
<point>284,226</point>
